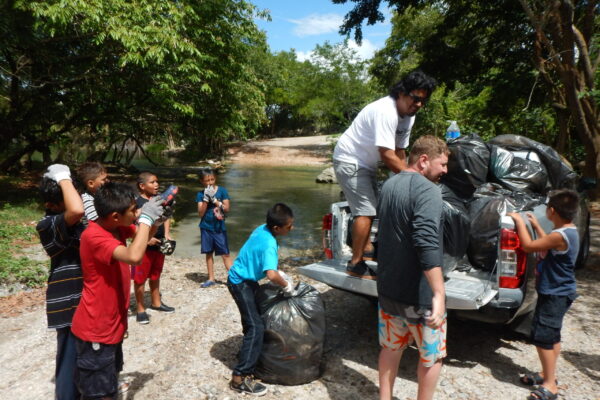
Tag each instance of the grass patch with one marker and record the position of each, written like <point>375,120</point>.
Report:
<point>19,213</point>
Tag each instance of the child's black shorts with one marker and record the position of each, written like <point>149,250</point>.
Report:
<point>547,319</point>
<point>98,367</point>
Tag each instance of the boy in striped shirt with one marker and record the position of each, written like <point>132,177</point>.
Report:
<point>59,232</point>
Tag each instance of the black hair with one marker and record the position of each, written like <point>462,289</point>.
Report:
<point>206,172</point>
<point>89,170</point>
<point>142,178</point>
<point>278,215</point>
<point>416,79</point>
<point>113,197</point>
<point>565,202</point>
<point>50,192</point>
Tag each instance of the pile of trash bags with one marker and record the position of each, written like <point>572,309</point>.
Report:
<point>294,334</point>
<point>486,180</point>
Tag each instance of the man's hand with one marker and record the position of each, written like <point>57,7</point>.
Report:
<point>58,172</point>
<point>438,311</point>
<point>151,211</point>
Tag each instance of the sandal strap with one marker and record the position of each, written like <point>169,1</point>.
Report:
<point>541,393</point>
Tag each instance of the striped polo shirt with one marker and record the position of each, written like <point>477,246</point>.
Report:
<point>65,282</point>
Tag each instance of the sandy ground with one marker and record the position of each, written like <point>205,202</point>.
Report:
<point>189,354</point>
<point>307,150</point>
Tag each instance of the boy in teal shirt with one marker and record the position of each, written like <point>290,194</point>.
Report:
<point>257,259</point>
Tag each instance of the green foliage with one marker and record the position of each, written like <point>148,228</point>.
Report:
<point>94,74</point>
<point>320,95</point>
<point>507,59</point>
<point>16,232</point>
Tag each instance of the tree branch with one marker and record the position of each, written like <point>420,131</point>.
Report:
<point>584,57</point>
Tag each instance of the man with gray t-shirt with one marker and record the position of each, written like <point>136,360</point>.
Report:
<point>380,132</point>
<point>410,283</point>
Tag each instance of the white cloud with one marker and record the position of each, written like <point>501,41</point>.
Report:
<point>303,55</point>
<point>364,51</point>
<point>317,24</point>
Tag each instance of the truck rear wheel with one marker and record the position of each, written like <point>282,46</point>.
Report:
<point>584,247</point>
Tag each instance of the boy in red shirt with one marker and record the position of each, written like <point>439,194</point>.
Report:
<point>100,321</point>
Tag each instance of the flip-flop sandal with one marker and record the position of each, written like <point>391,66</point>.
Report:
<point>542,393</point>
<point>532,379</point>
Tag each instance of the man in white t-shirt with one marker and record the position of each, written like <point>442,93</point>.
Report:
<point>380,132</point>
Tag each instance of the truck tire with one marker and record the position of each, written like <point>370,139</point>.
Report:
<point>584,247</point>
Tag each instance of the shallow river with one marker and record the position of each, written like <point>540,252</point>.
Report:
<point>253,189</point>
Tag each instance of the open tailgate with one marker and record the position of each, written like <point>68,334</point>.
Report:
<point>463,292</point>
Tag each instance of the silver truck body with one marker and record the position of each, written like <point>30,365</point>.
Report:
<point>475,294</point>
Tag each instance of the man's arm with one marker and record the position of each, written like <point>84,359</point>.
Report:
<point>394,160</point>
<point>435,279</point>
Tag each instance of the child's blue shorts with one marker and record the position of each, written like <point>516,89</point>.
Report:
<point>216,242</point>
<point>548,318</point>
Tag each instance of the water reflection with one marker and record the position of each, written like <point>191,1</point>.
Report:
<point>253,189</point>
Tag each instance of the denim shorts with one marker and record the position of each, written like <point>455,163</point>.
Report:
<point>548,318</point>
<point>213,242</point>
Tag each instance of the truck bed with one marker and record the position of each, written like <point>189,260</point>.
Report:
<point>463,291</point>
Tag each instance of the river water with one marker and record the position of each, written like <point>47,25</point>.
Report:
<point>253,189</point>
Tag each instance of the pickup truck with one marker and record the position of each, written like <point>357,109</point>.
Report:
<point>503,295</point>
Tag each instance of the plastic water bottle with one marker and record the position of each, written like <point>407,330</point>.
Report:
<point>453,132</point>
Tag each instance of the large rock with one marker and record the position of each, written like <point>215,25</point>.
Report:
<point>327,176</point>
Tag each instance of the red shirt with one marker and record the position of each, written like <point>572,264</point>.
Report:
<point>102,313</point>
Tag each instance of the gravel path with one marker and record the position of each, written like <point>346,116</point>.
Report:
<point>188,354</point>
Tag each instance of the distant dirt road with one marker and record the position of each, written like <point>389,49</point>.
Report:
<point>304,150</point>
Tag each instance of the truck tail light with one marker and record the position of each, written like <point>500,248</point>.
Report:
<point>511,266</point>
<point>327,223</point>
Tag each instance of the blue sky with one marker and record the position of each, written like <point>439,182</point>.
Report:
<point>305,23</point>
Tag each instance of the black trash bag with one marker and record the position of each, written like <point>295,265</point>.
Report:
<point>515,201</point>
<point>467,165</point>
<point>560,173</point>
<point>485,212</point>
<point>517,173</point>
<point>489,203</point>
<point>456,228</point>
<point>294,335</point>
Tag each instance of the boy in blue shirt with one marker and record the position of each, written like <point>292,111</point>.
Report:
<point>257,259</point>
<point>555,283</point>
<point>213,204</point>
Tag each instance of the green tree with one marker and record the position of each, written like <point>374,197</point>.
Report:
<point>322,94</point>
<point>101,72</point>
<point>515,48</point>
